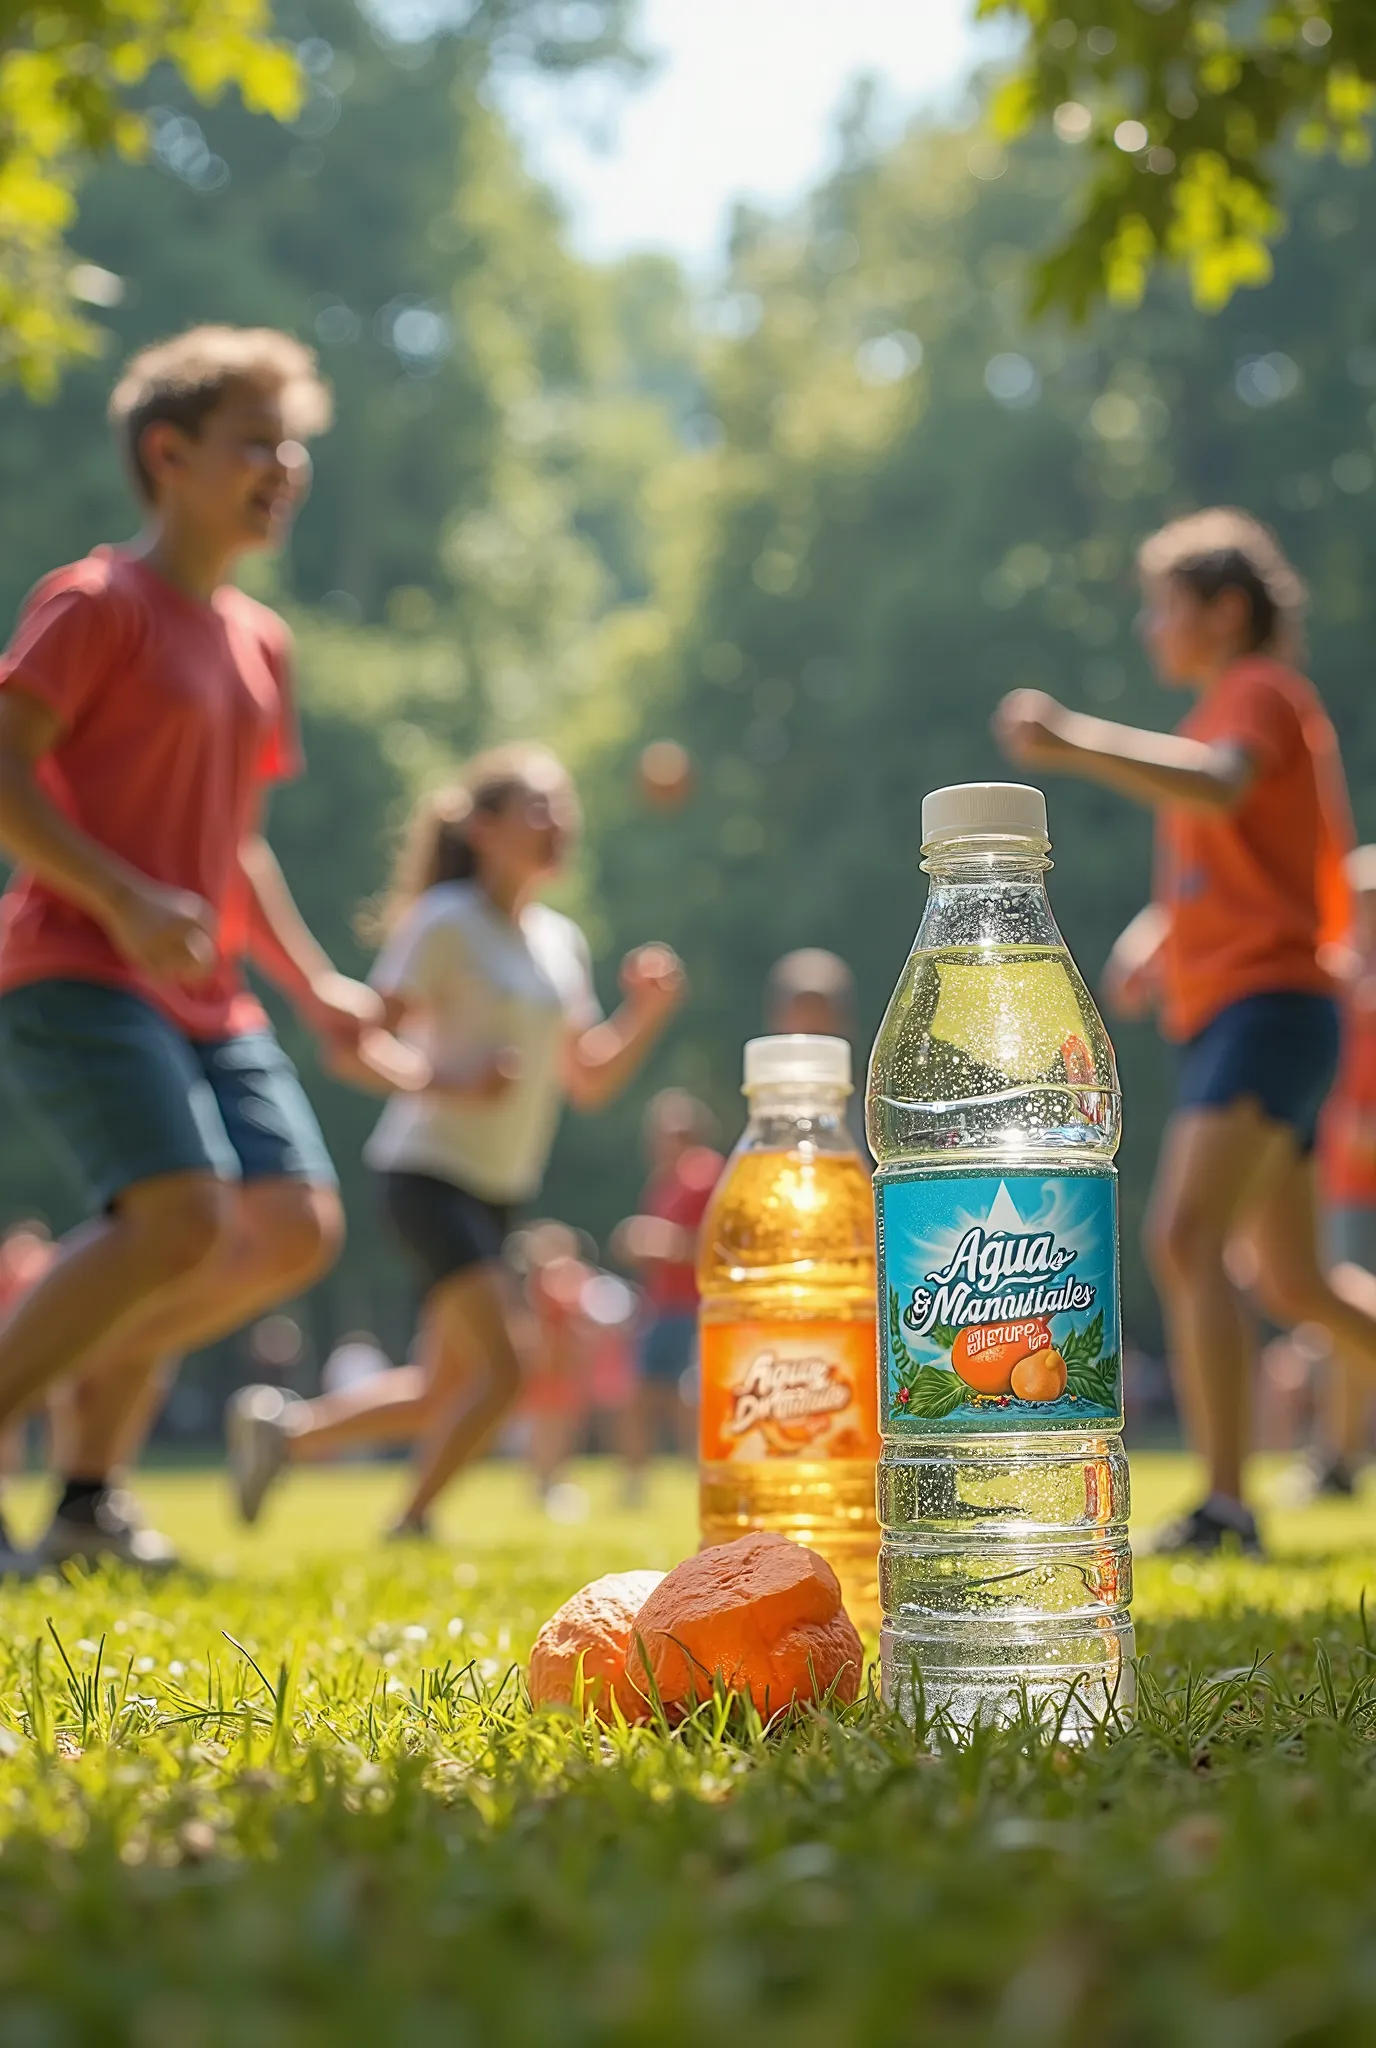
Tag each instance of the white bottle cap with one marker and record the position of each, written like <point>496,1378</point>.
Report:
<point>1009,810</point>
<point>797,1058</point>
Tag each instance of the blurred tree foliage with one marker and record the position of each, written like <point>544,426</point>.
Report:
<point>66,73</point>
<point>71,81</point>
<point>812,524</point>
<point>1182,107</point>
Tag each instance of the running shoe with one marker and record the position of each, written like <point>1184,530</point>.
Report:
<point>410,1529</point>
<point>110,1528</point>
<point>257,1427</point>
<point>1205,1532</point>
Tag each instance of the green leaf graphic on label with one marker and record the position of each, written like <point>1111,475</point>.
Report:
<point>1082,1347</point>
<point>932,1391</point>
<point>1097,1382</point>
<point>943,1335</point>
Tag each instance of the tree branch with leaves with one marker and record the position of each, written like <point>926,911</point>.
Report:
<point>1183,108</point>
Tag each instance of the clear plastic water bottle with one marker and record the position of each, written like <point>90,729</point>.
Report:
<point>787,1425</point>
<point>993,1112</point>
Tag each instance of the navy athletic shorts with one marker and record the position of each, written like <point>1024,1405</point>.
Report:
<point>133,1098</point>
<point>1278,1050</point>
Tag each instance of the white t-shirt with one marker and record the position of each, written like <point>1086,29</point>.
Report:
<point>479,984</point>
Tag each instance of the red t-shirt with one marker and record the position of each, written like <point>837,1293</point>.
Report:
<point>174,715</point>
<point>679,1196</point>
<point>1255,892</point>
<point>1347,1129</point>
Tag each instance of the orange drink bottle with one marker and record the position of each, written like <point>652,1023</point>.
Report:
<point>788,1431</point>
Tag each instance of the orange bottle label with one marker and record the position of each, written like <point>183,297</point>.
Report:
<point>788,1390</point>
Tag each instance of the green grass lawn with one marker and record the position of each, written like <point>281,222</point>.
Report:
<point>344,1825</point>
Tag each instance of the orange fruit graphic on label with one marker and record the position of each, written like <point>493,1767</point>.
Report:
<point>1041,1377</point>
<point>985,1354</point>
<point>762,1614</point>
<point>596,1625</point>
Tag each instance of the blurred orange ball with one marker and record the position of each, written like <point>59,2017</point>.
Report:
<point>666,774</point>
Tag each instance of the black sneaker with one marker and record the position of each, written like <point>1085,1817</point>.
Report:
<point>1204,1532</point>
<point>108,1526</point>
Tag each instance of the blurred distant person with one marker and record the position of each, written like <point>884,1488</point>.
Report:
<point>556,1396</point>
<point>495,990</point>
<point>660,1243</point>
<point>1253,831</point>
<point>813,992</point>
<point>610,1311</point>
<point>145,710</point>
<point>1347,1178</point>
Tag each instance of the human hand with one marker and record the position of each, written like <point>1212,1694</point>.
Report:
<point>341,1008</point>
<point>374,1059</point>
<point>653,981</point>
<point>1030,727</point>
<point>169,933</point>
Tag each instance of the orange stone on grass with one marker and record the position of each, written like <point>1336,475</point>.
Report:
<point>762,1615</point>
<point>596,1625</point>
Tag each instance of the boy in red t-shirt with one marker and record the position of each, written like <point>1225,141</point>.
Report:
<point>661,1242</point>
<point>145,710</point>
<point>1253,829</point>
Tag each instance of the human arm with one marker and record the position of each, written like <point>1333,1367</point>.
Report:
<point>601,1059</point>
<point>169,933</point>
<point>1132,971</point>
<point>282,948</point>
<point>1151,767</point>
<point>382,1064</point>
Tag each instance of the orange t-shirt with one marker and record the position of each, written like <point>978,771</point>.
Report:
<point>1254,893</point>
<point>1347,1129</point>
<point>175,714</point>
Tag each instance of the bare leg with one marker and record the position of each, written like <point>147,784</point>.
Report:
<point>159,1234</point>
<point>1347,1406</point>
<point>472,1316</point>
<point>1211,1160</point>
<point>391,1408</point>
<point>1291,1279</point>
<point>280,1236</point>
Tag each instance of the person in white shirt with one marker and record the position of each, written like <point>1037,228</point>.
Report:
<point>494,992</point>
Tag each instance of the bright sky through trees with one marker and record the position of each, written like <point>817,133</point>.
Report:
<point>742,104</point>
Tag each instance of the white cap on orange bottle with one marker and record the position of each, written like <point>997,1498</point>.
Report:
<point>797,1058</point>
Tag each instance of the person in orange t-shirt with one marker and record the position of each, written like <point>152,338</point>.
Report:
<point>1253,831</point>
<point>144,711</point>
<point>1347,1178</point>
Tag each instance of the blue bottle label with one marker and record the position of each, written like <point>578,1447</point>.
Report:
<point>998,1300</point>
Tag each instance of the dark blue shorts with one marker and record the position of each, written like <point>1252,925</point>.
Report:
<point>445,1229</point>
<point>1279,1050</point>
<point>132,1098</point>
<point>669,1347</point>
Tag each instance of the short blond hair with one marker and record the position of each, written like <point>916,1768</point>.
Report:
<point>182,381</point>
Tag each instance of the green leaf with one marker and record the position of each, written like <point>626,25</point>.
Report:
<point>1097,1382</point>
<point>1082,1347</point>
<point>943,1335</point>
<point>933,1392</point>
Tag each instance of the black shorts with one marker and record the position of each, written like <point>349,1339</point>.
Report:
<point>444,1228</point>
<point>1278,1050</point>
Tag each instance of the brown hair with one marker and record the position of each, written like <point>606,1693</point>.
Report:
<point>1224,549</point>
<point>181,381</point>
<point>435,846</point>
